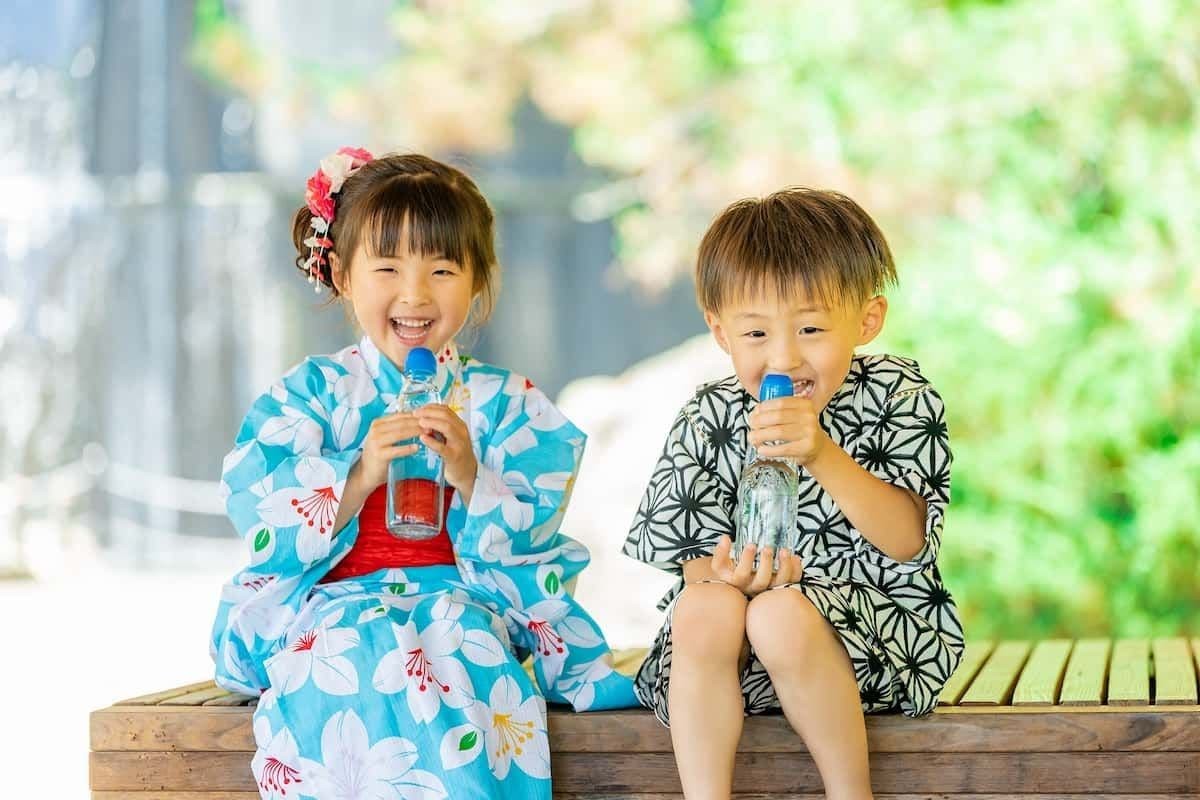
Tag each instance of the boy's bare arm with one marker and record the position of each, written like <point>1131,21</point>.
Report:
<point>891,517</point>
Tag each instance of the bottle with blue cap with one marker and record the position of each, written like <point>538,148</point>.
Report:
<point>416,487</point>
<point>768,491</point>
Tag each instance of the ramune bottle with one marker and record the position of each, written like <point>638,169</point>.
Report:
<point>416,486</point>
<point>768,491</point>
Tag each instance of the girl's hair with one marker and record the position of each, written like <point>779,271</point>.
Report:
<point>819,241</point>
<point>411,201</point>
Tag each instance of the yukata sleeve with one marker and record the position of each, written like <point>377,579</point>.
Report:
<point>282,489</point>
<point>509,543</point>
<point>909,446</point>
<point>685,510</point>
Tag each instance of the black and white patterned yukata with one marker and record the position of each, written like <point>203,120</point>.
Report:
<point>896,620</point>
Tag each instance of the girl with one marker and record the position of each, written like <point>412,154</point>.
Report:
<point>392,668</point>
<point>857,619</point>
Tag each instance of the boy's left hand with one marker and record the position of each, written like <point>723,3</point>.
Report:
<point>445,433</point>
<point>793,422</point>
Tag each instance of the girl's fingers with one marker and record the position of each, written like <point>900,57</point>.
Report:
<point>396,451</point>
<point>721,564</point>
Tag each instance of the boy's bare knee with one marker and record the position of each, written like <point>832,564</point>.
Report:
<point>782,625</point>
<point>709,620</point>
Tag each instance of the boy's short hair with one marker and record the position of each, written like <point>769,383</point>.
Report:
<point>798,238</point>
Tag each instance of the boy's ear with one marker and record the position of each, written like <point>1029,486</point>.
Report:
<point>718,332</point>
<point>873,315</point>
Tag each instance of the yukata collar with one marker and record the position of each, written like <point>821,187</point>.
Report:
<point>390,378</point>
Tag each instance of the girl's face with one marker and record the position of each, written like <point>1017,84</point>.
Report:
<point>796,336</point>
<point>407,300</point>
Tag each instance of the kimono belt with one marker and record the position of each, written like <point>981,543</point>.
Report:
<point>376,548</point>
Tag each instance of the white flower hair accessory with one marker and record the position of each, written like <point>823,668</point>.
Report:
<point>319,197</point>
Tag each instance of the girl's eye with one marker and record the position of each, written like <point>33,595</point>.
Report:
<point>385,269</point>
<point>755,334</point>
<point>810,330</point>
<point>443,271</point>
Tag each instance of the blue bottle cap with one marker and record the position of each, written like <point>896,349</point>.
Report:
<point>420,361</point>
<point>774,385</point>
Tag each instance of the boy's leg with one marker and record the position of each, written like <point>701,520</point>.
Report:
<point>704,696</point>
<point>815,684</point>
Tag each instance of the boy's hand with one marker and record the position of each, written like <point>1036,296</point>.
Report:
<point>741,574</point>
<point>794,423</point>
<point>445,433</point>
<point>380,446</point>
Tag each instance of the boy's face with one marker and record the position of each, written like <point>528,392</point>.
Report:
<point>796,336</point>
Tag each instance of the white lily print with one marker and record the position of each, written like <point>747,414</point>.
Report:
<point>293,429</point>
<point>506,728</point>
<point>257,599</point>
<point>312,506</point>
<point>352,391</point>
<point>355,769</point>
<point>423,665</point>
<point>276,766</point>
<point>316,652</point>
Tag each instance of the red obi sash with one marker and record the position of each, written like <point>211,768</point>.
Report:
<point>377,549</point>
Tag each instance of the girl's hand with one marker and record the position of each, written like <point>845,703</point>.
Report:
<point>742,575</point>
<point>380,447</point>
<point>794,423</point>
<point>444,432</point>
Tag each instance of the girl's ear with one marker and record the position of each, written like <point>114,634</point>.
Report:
<point>873,315</point>
<point>341,280</point>
<point>718,331</point>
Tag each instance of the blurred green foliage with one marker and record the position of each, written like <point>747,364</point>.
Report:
<point>1036,166</point>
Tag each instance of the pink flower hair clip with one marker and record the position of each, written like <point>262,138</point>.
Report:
<point>319,197</point>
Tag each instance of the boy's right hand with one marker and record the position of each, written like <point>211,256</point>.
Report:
<point>742,575</point>
<point>379,448</point>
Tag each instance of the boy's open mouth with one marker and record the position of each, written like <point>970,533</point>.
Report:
<point>803,388</point>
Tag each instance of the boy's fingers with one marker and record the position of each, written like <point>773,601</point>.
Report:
<point>720,557</point>
<point>745,566</point>
<point>766,566</point>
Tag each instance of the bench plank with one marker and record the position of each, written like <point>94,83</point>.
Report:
<point>167,728</point>
<point>994,684</point>
<point>1086,675</point>
<point>758,772</point>
<point>1129,673</point>
<point>155,698</point>
<point>196,698</point>
<point>661,796</point>
<point>1042,676</point>
<point>1174,673</point>
<point>974,656</point>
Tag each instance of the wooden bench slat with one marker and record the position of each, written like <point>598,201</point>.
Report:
<point>993,685</point>
<point>1174,673</point>
<point>1129,673</point>
<point>974,656</point>
<point>1087,672</point>
<point>661,796</point>
<point>1042,677</point>
<point>197,698</point>
<point>1017,773</point>
<point>230,699</point>
<point>155,698</point>
<point>959,729</point>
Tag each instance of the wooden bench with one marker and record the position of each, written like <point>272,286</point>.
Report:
<point>1054,719</point>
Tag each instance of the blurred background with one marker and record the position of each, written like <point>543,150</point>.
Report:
<point>1035,166</point>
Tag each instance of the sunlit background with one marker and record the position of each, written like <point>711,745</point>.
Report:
<point>1035,166</point>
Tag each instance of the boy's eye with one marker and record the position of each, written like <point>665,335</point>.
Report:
<point>810,330</point>
<point>755,334</point>
<point>385,269</point>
